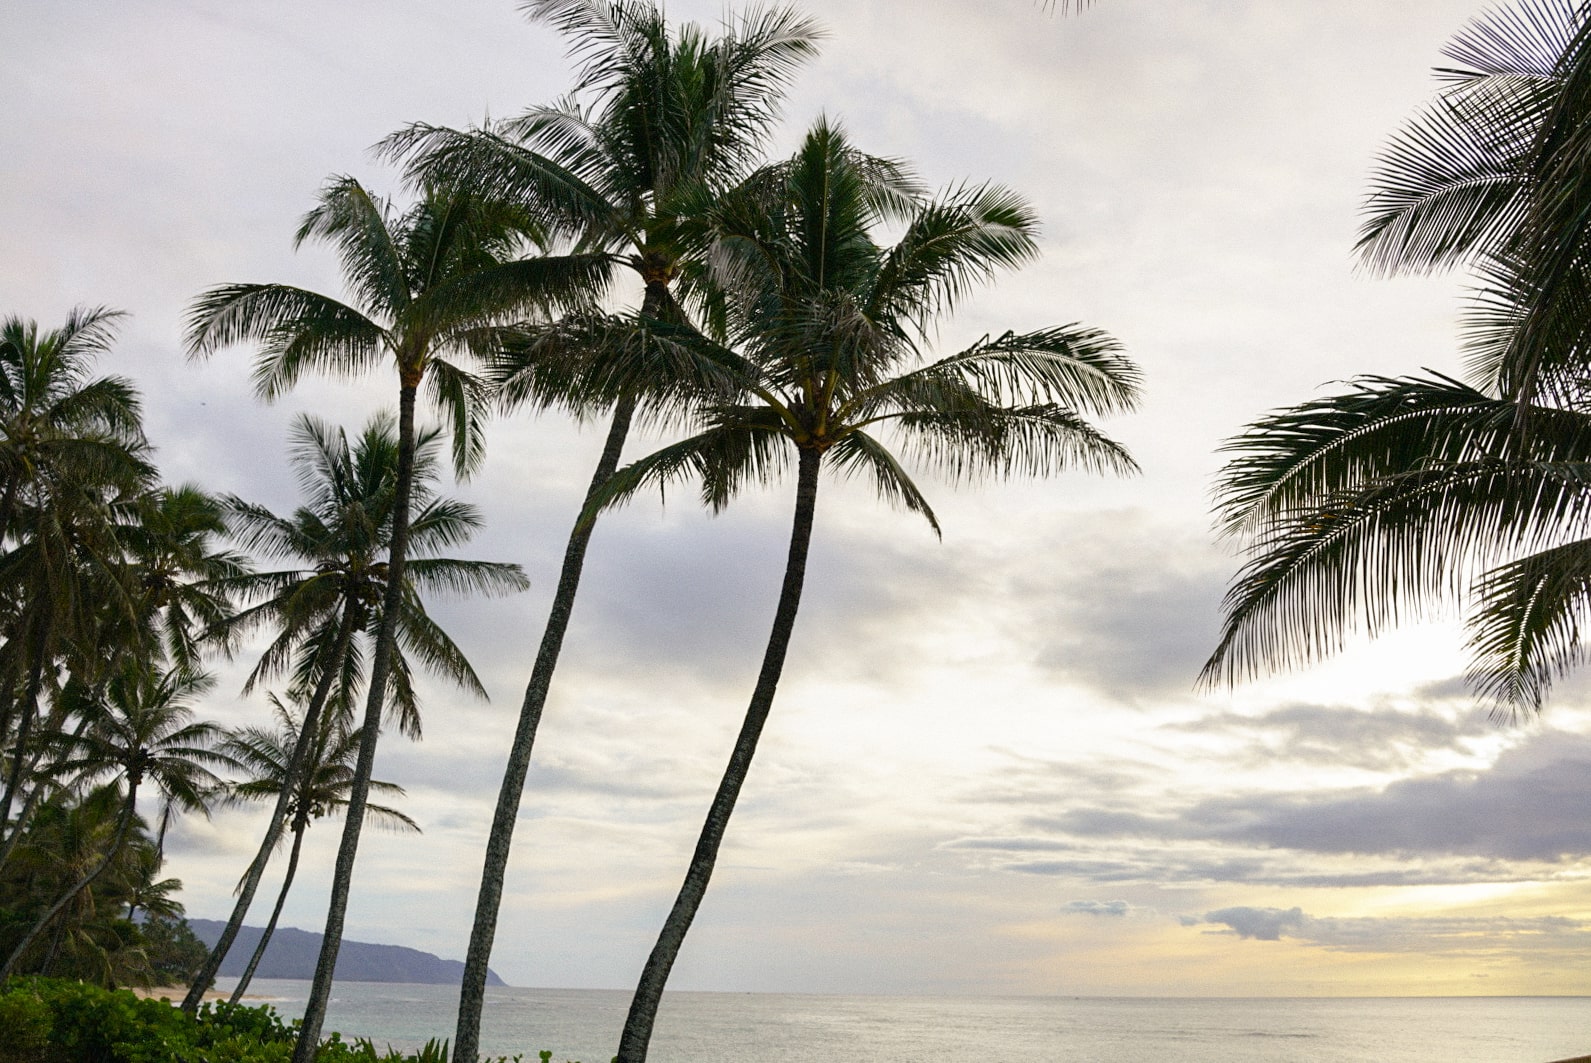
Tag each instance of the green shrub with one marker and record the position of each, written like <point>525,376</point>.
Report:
<point>52,1020</point>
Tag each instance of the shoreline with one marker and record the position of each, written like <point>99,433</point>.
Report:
<point>173,994</point>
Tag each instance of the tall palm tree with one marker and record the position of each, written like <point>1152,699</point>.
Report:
<point>144,731</point>
<point>328,600</point>
<point>319,789</point>
<point>71,446</point>
<point>829,332</point>
<point>662,120</point>
<point>433,281</point>
<point>1402,496</point>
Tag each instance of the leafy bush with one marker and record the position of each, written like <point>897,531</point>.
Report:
<point>52,1020</point>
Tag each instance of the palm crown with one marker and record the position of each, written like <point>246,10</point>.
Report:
<point>1403,495</point>
<point>828,333</point>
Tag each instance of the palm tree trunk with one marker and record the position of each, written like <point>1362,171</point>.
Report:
<point>649,992</point>
<point>82,884</point>
<point>299,826</point>
<point>7,508</point>
<point>364,765</point>
<point>30,709</point>
<point>472,990</point>
<point>330,669</point>
<point>31,804</point>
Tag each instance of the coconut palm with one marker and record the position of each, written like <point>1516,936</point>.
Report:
<point>1402,497</point>
<point>662,120</point>
<point>71,446</point>
<point>829,344</point>
<point>144,731</point>
<point>327,603</point>
<point>183,581</point>
<point>58,420</point>
<point>430,282</point>
<point>319,789</point>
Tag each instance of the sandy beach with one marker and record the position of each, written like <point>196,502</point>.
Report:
<point>174,993</point>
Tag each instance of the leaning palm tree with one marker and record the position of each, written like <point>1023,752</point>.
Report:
<point>829,334</point>
<point>320,788</point>
<point>431,282</point>
<point>661,122</point>
<point>143,730</point>
<point>323,608</point>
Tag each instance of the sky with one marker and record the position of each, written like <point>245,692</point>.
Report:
<point>989,769</point>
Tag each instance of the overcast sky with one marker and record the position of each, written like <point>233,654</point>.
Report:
<point>988,769</point>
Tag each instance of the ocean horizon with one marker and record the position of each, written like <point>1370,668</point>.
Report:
<point>707,1027</point>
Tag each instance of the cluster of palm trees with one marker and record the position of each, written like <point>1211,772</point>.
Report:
<point>1400,496</point>
<point>117,590</point>
<point>785,322</point>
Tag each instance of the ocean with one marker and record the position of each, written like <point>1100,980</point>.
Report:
<point>583,1025</point>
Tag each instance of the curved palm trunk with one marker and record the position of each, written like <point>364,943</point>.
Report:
<point>649,991</point>
<point>364,765</point>
<point>472,990</point>
<point>276,913</point>
<point>273,831</point>
<point>82,884</point>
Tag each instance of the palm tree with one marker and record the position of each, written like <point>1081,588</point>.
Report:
<point>829,331</point>
<point>55,418</point>
<point>1404,495</point>
<point>329,598</point>
<point>435,280</point>
<point>143,731</point>
<point>661,122</point>
<point>71,446</point>
<point>186,584</point>
<point>320,789</point>
<point>108,581</point>
<point>69,837</point>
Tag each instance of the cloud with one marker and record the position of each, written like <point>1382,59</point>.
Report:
<point>1260,924</point>
<point>1112,908</point>
<point>1401,934</point>
<point>1534,803</point>
<point>1124,605</point>
<point>1379,739</point>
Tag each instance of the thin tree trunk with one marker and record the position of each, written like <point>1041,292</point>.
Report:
<point>28,808</point>
<point>375,703</point>
<point>330,669</point>
<point>8,506</point>
<point>649,992</point>
<point>276,913</point>
<point>31,804</point>
<point>81,884</point>
<point>30,709</point>
<point>472,990</point>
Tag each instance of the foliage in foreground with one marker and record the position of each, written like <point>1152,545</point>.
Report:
<point>54,1020</point>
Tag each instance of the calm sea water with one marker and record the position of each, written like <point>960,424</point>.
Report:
<point>580,1024</point>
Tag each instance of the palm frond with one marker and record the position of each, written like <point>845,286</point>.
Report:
<point>1526,625</point>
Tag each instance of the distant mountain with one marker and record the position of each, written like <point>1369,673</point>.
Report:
<point>292,954</point>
